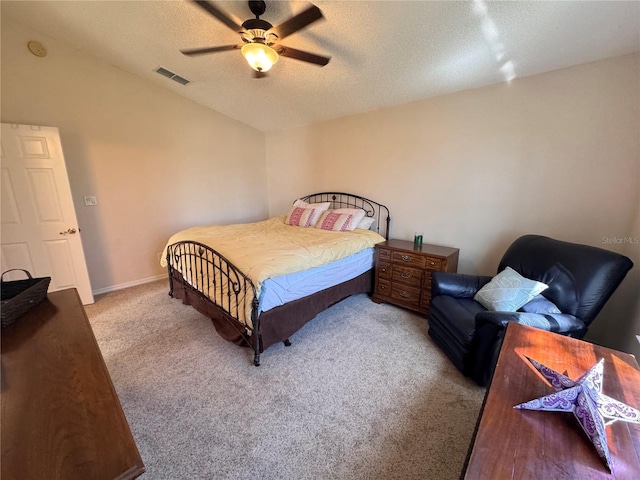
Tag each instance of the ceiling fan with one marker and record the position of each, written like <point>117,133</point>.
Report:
<point>260,39</point>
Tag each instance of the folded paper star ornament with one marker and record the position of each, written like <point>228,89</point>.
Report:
<point>584,398</point>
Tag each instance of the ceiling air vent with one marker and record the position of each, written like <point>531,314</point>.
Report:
<point>173,76</point>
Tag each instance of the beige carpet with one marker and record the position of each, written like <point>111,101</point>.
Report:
<point>361,394</point>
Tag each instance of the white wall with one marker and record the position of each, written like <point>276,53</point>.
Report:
<point>155,161</point>
<point>554,154</point>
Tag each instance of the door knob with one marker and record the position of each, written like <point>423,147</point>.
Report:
<point>70,231</point>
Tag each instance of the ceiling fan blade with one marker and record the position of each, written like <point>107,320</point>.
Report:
<point>202,51</point>
<point>301,55</point>
<point>213,10</point>
<point>297,22</point>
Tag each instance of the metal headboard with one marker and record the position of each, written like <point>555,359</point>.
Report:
<point>372,208</point>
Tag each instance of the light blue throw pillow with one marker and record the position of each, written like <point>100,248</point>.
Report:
<point>508,291</point>
<point>539,304</point>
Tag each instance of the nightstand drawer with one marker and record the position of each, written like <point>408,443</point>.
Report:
<point>425,299</point>
<point>405,294</point>
<point>406,275</point>
<point>427,279</point>
<point>384,270</point>
<point>384,254</point>
<point>433,263</point>
<point>384,287</point>
<point>407,258</point>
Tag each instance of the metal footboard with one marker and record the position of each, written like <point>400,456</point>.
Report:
<point>218,280</point>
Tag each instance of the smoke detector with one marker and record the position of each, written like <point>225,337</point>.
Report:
<point>37,49</point>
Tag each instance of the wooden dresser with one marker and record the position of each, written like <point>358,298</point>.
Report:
<point>403,272</point>
<point>61,417</point>
<point>533,445</point>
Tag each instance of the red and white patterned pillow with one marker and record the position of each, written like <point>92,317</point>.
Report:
<point>357,213</point>
<point>299,217</point>
<point>320,207</point>
<point>337,222</point>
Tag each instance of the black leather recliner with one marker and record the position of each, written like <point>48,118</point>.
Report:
<point>581,279</point>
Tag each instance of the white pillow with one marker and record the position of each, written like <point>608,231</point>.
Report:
<point>337,222</point>
<point>319,209</point>
<point>508,291</point>
<point>299,217</point>
<point>366,223</point>
<point>357,216</point>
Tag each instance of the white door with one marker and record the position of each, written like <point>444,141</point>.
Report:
<point>40,231</point>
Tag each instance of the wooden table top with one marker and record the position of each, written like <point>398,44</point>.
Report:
<point>61,417</point>
<point>526,444</point>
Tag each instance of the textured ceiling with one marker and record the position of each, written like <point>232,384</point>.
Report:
<point>382,52</point>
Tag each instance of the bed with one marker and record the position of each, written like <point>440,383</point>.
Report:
<point>214,270</point>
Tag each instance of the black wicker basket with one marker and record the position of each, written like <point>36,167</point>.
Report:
<point>18,296</point>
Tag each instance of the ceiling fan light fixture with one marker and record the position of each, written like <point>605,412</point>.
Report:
<point>259,56</point>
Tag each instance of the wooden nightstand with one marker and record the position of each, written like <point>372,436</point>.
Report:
<point>403,272</point>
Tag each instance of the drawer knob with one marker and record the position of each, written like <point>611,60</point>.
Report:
<point>406,258</point>
<point>405,275</point>
<point>432,263</point>
<point>405,294</point>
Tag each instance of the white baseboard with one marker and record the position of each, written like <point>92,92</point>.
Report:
<point>113,288</point>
